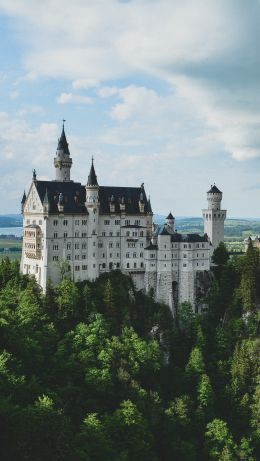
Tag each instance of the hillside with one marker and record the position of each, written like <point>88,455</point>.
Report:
<point>97,371</point>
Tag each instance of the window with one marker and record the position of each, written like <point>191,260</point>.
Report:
<point>84,245</point>
<point>110,234</point>
<point>65,235</point>
<point>55,235</point>
<point>128,265</point>
<point>134,265</point>
<point>103,234</point>
<point>127,255</point>
<point>137,222</point>
<point>76,222</point>
<point>117,245</point>
<point>202,246</point>
<point>55,258</point>
<point>110,245</point>
<point>77,234</point>
<point>197,245</point>
<point>55,222</point>
<point>100,245</point>
<point>117,222</point>
<point>141,255</point>
<point>184,246</point>
<point>107,222</point>
<point>84,222</point>
<point>134,255</point>
<point>117,265</point>
<point>117,255</point>
<point>127,222</point>
<point>110,255</point>
<point>56,247</point>
<point>84,256</point>
<point>185,256</point>
<point>141,233</point>
<point>68,246</point>
<point>77,268</point>
<point>103,255</point>
<point>65,222</point>
<point>118,234</point>
<point>184,265</point>
<point>142,265</point>
<point>84,267</point>
<point>127,233</point>
<point>141,245</point>
<point>76,246</point>
<point>68,257</point>
<point>94,244</point>
<point>84,234</point>
<point>76,257</point>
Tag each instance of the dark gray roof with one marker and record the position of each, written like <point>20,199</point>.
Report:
<point>92,177</point>
<point>214,190</point>
<point>151,246</point>
<point>149,206</point>
<point>74,195</point>
<point>170,216</point>
<point>127,195</point>
<point>62,142</point>
<point>191,238</point>
<point>164,231</point>
<point>24,198</point>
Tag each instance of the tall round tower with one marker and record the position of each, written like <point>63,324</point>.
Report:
<point>214,217</point>
<point>62,159</point>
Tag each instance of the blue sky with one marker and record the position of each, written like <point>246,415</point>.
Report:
<point>165,92</point>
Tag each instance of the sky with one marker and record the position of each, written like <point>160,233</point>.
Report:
<point>165,92</point>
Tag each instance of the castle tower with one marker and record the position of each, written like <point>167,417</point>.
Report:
<point>92,205</point>
<point>170,220</point>
<point>62,160</point>
<point>214,217</point>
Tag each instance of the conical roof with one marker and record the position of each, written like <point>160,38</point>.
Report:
<point>62,142</point>
<point>214,190</point>
<point>92,177</point>
<point>170,216</point>
<point>24,198</point>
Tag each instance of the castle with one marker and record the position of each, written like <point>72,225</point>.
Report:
<point>86,230</point>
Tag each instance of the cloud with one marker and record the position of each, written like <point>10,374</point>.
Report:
<point>13,95</point>
<point>65,98</point>
<point>85,83</point>
<point>26,110</point>
<point>205,50</point>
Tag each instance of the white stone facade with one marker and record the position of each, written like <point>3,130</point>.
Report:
<point>214,217</point>
<point>88,230</point>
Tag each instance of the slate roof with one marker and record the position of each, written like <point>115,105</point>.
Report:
<point>214,190</point>
<point>92,177</point>
<point>128,195</point>
<point>24,198</point>
<point>191,238</point>
<point>170,216</point>
<point>151,246</point>
<point>74,195</point>
<point>62,142</point>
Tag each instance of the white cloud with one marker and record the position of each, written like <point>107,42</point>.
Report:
<point>85,83</point>
<point>65,98</point>
<point>14,95</point>
<point>30,110</point>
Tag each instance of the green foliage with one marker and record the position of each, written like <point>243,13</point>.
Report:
<point>97,371</point>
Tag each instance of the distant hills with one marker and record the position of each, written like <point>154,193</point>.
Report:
<point>11,220</point>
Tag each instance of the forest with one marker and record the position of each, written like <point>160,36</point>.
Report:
<point>97,371</point>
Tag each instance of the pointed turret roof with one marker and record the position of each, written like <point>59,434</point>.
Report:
<point>170,216</point>
<point>149,206</point>
<point>24,198</point>
<point>214,190</point>
<point>62,142</point>
<point>46,198</point>
<point>92,177</point>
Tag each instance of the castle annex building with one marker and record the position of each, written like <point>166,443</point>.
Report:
<point>90,229</point>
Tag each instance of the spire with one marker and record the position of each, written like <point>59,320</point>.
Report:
<point>46,198</point>
<point>34,175</point>
<point>62,142</point>
<point>24,198</point>
<point>149,206</point>
<point>92,177</point>
<point>170,216</point>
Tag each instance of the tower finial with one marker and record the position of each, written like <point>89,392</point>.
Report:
<point>34,174</point>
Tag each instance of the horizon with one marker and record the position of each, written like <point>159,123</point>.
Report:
<point>163,92</point>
